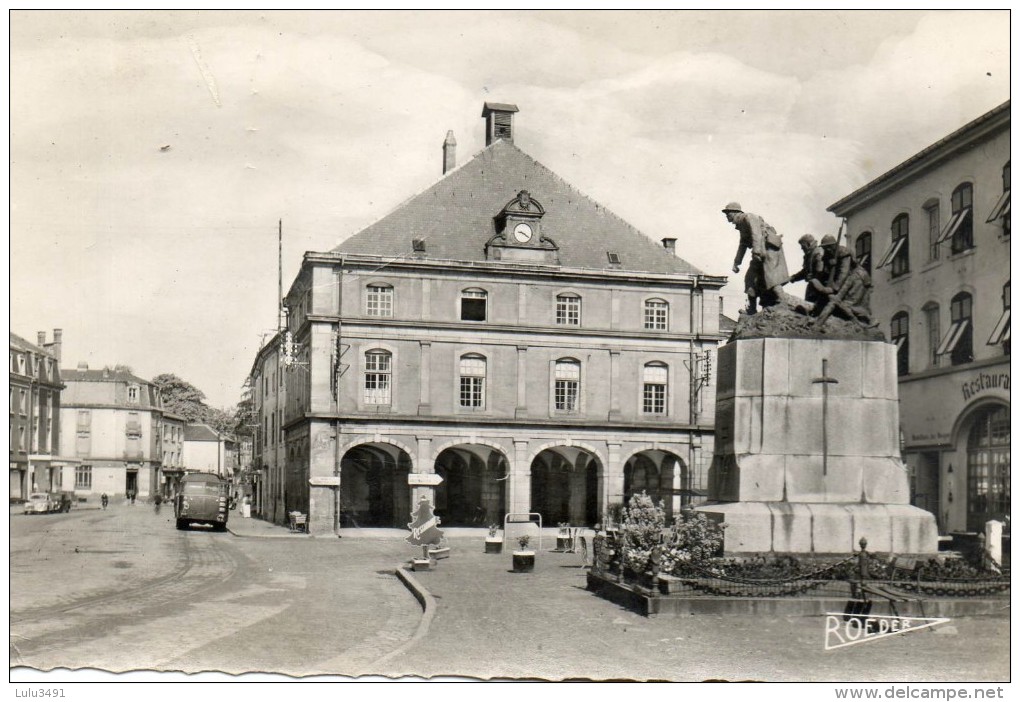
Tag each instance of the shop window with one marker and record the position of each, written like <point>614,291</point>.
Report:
<point>83,477</point>
<point>988,468</point>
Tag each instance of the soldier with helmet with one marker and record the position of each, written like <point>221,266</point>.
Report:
<point>847,279</point>
<point>767,271</point>
<point>812,272</point>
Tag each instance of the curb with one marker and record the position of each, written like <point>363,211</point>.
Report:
<point>428,605</point>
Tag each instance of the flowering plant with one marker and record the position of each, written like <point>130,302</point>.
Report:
<point>693,538</point>
<point>642,522</point>
<point>523,541</point>
<point>493,528</point>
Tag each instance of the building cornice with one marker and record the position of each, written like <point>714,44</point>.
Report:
<point>983,127</point>
<point>513,269</point>
<point>588,423</point>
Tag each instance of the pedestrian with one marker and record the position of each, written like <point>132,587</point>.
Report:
<point>131,496</point>
<point>159,501</point>
<point>105,500</point>
<point>767,273</point>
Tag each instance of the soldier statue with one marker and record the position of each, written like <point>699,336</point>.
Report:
<point>812,272</point>
<point>767,272</point>
<point>847,286</point>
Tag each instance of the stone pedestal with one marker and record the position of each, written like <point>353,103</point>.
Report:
<point>780,482</point>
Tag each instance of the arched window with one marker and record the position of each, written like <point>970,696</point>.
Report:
<point>655,381</point>
<point>931,212</point>
<point>472,305</point>
<point>963,233</point>
<point>472,381</point>
<point>900,258</point>
<point>862,249</point>
<point>958,342</point>
<point>934,330</point>
<point>378,377</point>
<point>379,301</point>
<point>1000,334</point>
<point>656,314</point>
<point>568,309</point>
<point>988,469</point>
<point>899,333</point>
<point>1001,209</point>
<point>567,386</point>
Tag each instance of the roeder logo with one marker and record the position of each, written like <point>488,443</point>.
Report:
<point>842,630</point>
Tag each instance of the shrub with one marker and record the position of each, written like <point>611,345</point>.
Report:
<point>523,541</point>
<point>641,531</point>
<point>493,529</point>
<point>692,539</point>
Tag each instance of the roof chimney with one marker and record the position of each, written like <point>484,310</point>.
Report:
<point>499,122</point>
<point>55,346</point>
<point>670,245</point>
<point>83,365</point>
<point>449,153</point>
<point>40,339</point>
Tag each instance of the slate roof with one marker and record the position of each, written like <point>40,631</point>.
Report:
<point>24,345</point>
<point>108,375</point>
<point>200,432</point>
<point>456,215</point>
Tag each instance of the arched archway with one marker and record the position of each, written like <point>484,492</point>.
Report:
<point>660,474</point>
<point>473,491</point>
<point>373,486</point>
<point>565,485</point>
<point>988,465</point>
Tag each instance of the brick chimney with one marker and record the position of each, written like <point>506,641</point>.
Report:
<point>40,338</point>
<point>449,153</point>
<point>670,245</point>
<point>54,346</point>
<point>499,122</point>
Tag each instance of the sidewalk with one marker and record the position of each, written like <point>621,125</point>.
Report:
<point>252,526</point>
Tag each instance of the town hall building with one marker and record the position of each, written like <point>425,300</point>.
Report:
<point>500,343</point>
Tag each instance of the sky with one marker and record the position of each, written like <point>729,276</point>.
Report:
<point>153,153</point>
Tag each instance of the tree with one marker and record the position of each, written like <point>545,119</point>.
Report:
<point>181,397</point>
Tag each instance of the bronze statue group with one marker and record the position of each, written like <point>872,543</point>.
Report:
<point>837,284</point>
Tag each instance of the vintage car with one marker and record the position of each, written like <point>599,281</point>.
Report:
<point>39,503</point>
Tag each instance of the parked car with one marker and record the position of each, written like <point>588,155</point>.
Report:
<point>39,503</point>
<point>62,501</point>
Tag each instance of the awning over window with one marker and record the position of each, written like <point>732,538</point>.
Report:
<point>952,337</point>
<point>1001,331</point>
<point>1001,208</point>
<point>891,253</point>
<point>954,223</point>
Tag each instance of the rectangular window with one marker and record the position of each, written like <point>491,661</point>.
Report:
<point>933,231</point>
<point>83,478</point>
<point>472,306</point>
<point>132,394</point>
<point>472,392</point>
<point>379,301</point>
<point>377,378</point>
<point>931,315</point>
<point>654,398</point>
<point>568,310</point>
<point>134,426</point>
<point>22,402</point>
<point>656,315</point>
<point>566,395</point>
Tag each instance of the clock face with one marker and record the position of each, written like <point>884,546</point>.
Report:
<point>523,233</point>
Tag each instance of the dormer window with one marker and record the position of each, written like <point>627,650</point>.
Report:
<point>132,394</point>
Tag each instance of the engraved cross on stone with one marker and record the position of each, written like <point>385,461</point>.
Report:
<point>826,381</point>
